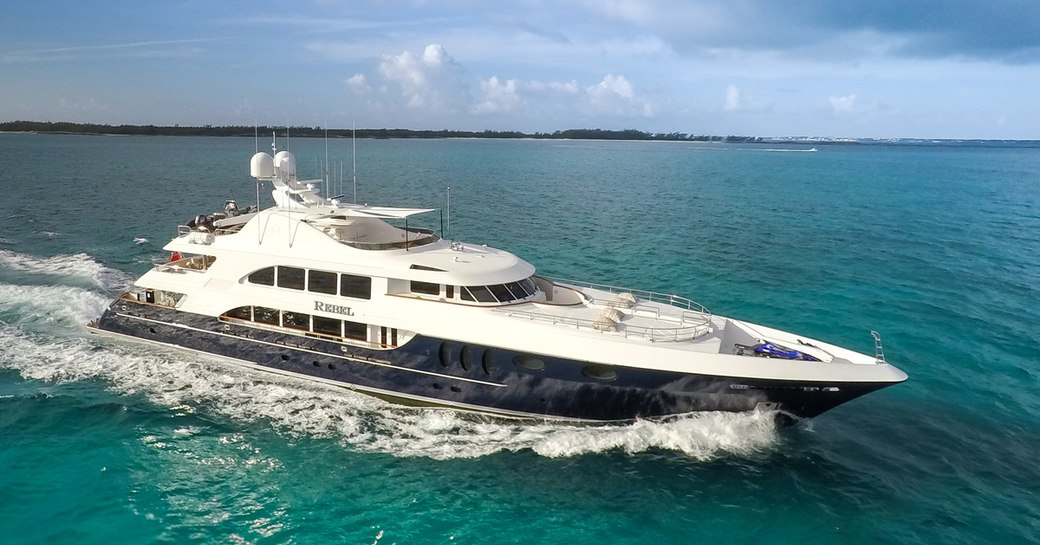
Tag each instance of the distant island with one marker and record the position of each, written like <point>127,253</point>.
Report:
<point>569,134</point>
<point>319,132</point>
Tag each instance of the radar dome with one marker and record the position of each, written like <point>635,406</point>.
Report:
<point>285,163</point>
<point>261,166</point>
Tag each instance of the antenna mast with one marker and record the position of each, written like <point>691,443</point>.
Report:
<point>353,143</point>
<point>448,230</point>
<point>327,194</point>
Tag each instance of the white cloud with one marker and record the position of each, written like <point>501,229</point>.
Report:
<point>358,83</point>
<point>430,80</point>
<point>842,105</point>
<point>431,87</point>
<point>733,97</point>
<point>614,95</point>
<point>498,97</point>
<point>610,86</point>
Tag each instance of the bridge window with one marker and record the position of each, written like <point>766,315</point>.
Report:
<point>501,293</point>
<point>480,293</point>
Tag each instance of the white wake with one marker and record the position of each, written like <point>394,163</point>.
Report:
<point>42,337</point>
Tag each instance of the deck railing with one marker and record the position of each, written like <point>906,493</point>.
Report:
<point>642,295</point>
<point>692,322</point>
<point>683,332</point>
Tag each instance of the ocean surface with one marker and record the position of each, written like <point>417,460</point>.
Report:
<point>937,247</point>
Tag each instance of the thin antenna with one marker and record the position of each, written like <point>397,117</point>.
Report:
<point>448,231</point>
<point>327,194</point>
<point>353,143</point>
<point>256,135</point>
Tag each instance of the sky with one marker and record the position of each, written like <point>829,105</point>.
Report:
<point>821,68</point>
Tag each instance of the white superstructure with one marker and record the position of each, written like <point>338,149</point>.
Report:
<point>340,281</point>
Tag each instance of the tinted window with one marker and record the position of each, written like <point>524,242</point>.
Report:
<point>425,287</point>
<point>482,294</point>
<point>518,289</point>
<point>321,282</point>
<point>242,313</point>
<point>466,358</point>
<point>359,287</point>
<point>449,292</point>
<point>263,276</point>
<point>290,277</point>
<point>327,326</point>
<point>599,372</point>
<point>465,294</point>
<point>489,362</point>
<point>296,320</point>
<point>531,363</point>
<point>501,293</point>
<point>529,285</point>
<point>265,315</point>
<point>354,330</point>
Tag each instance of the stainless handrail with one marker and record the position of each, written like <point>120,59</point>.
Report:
<point>654,334</point>
<point>653,296</point>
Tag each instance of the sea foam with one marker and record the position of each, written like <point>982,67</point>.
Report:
<point>43,340</point>
<point>66,266</point>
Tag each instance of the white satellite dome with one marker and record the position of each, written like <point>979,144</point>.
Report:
<point>261,165</point>
<point>285,163</point>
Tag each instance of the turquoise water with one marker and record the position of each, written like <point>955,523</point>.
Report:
<point>937,247</point>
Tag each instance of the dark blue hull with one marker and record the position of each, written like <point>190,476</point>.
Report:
<point>436,372</point>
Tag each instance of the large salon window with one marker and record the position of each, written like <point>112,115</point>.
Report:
<point>327,326</point>
<point>296,320</point>
<point>427,288</point>
<point>291,277</point>
<point>354,330</point>
<point>321,282</point>
<point>241,313</point>
<point>263,277</point>
<point>266,315</point>
<point>359,287</point>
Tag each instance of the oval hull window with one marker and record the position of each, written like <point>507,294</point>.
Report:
<point>445,355</point>
<point>466,358</point>
<point>599,372</point>
<point>529,362</point>
<point>488,363</point>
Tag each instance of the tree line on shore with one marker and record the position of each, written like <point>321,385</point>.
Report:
<point>319,132</point>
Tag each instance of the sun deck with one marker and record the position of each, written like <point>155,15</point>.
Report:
<point>609,310</point>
